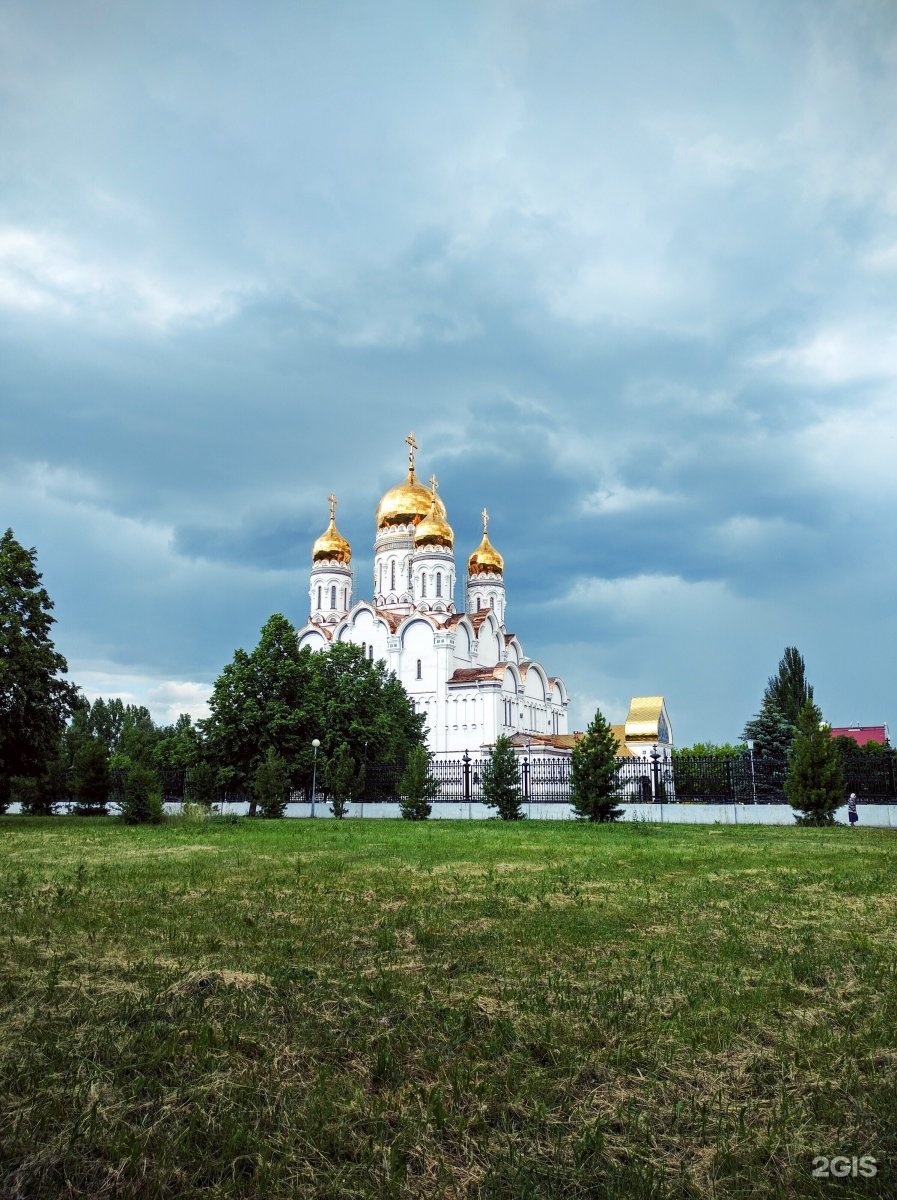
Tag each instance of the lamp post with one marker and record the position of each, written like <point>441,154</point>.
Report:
<point>315,742</point>
<point>750,747</point>
<point>655,771</point>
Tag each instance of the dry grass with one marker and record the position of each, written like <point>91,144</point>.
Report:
<point>359,1009</point>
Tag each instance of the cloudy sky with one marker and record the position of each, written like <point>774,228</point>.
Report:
<point>629,272</point>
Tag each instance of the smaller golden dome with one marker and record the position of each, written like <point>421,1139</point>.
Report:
<point>434,529</point>
<point>485,560</point>
<point>331,546</point>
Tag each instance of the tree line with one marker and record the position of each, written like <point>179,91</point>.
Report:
<point>279,714</point>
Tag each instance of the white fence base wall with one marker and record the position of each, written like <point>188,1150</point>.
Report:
<point>674,814</point>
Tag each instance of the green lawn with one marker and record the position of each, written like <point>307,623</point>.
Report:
<point>374,1008</point>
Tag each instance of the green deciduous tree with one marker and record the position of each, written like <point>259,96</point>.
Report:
<point>814,783</point>
<point>281,697</point>
<point>34,700</point>
<point>344,778</point>
<point>501,781</point>
<point>263,700</point>
<point>417,786</point>
<point>271,785</point>
<point>594,786</point>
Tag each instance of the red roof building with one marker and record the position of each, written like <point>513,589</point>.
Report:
<point>862,734</point>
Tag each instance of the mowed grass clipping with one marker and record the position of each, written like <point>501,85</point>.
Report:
<point>472,1009</point>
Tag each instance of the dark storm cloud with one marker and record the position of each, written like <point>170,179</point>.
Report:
<point>628,274</point>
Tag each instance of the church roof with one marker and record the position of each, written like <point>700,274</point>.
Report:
<point>643,719</point>
<point>474,674</point>
<point>393,620</point>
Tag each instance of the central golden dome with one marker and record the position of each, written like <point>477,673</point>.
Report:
<point>407,504</point>
<point>434,529</point>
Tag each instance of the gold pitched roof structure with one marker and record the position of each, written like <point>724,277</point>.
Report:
<point>646,720</point>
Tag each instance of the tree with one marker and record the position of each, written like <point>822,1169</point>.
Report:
<point>281,697</point>
<point>814,783</point>
<point>344,778</point>
<point>362,705</point>
<point>418,788</point>
<point>142,800</point>
<point>263,700</point>
<point>594,770</point>
<point>271,785</point>
<point>93,778</point>
<point>34,700</point>
<point>202,784</point>
<point>501,781</point>
<point>772,734</point>
<point>788,687</point>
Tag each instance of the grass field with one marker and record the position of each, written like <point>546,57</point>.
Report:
<point>374,1008</point>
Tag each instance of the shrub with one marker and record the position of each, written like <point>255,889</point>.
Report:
<point>417,788</point>
<point>271,785</point>
<point>814,782</point>
<point>93,778</point>
<point>142,800</point>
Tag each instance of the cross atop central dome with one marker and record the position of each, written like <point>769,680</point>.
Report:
<point>409,502</point>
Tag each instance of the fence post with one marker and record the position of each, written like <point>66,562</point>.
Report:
<point>466,761</point>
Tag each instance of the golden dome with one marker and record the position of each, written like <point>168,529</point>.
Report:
<point>331,546</point>
<point>406,504</point>
<point>434,529</point>
<point>485,560</point>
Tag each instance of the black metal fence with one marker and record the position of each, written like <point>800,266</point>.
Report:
<point>741,779</point>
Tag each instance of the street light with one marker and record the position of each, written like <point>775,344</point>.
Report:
<point>750,747</point>
<point>314,773</point>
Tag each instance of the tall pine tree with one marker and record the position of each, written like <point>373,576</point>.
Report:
<point>788,687</point>
<point>501,781</point>
<point>594,773</point>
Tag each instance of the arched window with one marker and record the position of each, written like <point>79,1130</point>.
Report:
<point>333,597</point>
<point>419,675</point>
<point>371,652</point>
<point>492,602</point>
<point>380,588</point>
<point>346,598</point>
<point>479,603</point>
<point>364,648</point>
<point>319,595</point>
<point>438,583</point>
<point>423,586</point>
<point>392,576</point>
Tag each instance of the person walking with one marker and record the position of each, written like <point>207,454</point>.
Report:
<point>852,808</point>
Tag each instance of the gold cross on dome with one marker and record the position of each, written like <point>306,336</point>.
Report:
<point>412,446</point>
<point>333,502</point>
<point>434,484</point>
<point>484,514</point>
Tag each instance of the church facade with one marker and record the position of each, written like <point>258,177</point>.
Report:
<point>463,670</point>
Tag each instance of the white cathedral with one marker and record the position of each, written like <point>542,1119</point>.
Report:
<point>463,671</point>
